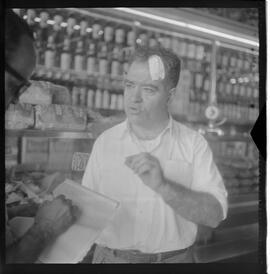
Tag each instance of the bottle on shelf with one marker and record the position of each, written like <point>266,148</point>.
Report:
<point>199,52</point>
<point>224,59</point>
<point>90,98</point>
<point>109,38</point>
<point>103,59</point>
<point>50,53</point>
<point>233,60</point>
<point>120,102</point>
<point>84,36</point>
<point>71,33</point>
<point>31,15</point>
<point>97,31</point>
<point>42,36</point>
<point>83,96</point>
<point>58,33</point>
<point>183,48</point>
<point>113,104</point>
<point>98,99</point>
<point>131,37</point>
<point>120,42</point>
<point>143,38</point>
<point>105,99</point>
<point>191,50</point>
<point>75,96</point>
<point>91,58</point>
<point>79,57</point>
<point>153,41</point>
<point>65,58</point>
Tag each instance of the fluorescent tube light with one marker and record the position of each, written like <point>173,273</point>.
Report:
<point>190,26</point>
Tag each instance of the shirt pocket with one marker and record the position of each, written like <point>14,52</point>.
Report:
<point>178,171</point>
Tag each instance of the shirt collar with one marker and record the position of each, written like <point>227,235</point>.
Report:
<point>127,128</point>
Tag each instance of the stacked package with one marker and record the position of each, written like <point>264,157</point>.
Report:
<point>61,117</point>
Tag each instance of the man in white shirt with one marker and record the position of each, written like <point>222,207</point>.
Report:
<point>160,171</point>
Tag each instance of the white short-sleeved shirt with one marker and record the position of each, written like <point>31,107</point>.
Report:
<point>144,221</point>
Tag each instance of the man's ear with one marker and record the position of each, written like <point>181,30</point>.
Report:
<point>171,95</point>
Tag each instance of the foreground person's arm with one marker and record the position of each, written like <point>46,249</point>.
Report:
<point>52,219</point>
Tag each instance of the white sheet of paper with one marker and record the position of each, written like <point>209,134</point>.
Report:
<point>97,212</point>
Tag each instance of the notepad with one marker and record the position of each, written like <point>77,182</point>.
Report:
<point>97,211</point>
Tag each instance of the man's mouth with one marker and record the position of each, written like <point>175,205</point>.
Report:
<point>134,109</point>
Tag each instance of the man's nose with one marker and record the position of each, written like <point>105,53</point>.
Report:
<point>137,94</point>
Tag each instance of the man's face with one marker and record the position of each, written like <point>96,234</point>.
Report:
<point>146,100</point>
<point>23,62</point>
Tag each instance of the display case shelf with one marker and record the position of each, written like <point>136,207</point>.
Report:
<point>65,134</point>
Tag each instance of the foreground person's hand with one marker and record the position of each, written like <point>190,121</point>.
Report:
<point>54,217</point>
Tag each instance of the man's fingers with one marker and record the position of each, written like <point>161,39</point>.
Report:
<point>141,163</point>
<point>134,160</point>
<point>143,169</point>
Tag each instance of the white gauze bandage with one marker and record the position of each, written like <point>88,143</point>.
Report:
<point>156,67</point>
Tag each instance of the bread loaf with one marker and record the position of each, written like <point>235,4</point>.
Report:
<point>38,93</point>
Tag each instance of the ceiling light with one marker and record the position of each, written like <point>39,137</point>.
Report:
<point>190,26</point>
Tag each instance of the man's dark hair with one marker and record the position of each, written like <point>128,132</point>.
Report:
<point>170,60</point>
<point>15,29</point>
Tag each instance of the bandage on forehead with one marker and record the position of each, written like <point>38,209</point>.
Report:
<point>156,68</point>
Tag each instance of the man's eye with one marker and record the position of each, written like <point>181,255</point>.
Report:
<point>149,90</point>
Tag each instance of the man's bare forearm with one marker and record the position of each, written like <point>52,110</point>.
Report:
<point>29,247</point>
<point>198,207</point>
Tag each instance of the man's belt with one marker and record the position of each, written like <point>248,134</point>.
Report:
<point>139,257</point>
